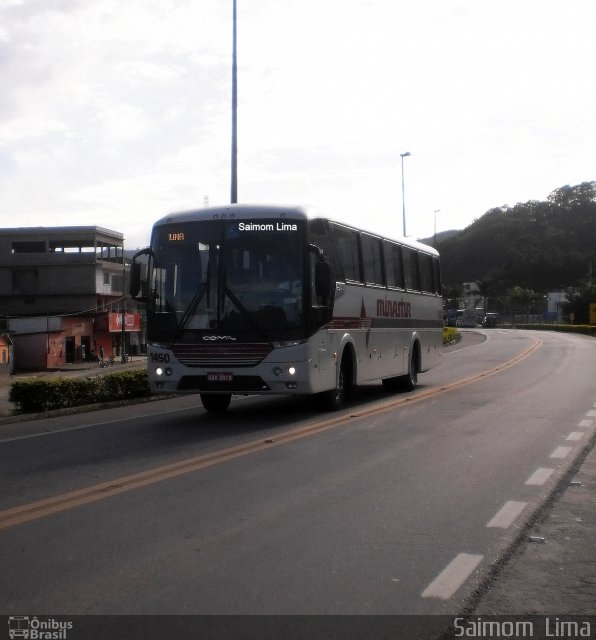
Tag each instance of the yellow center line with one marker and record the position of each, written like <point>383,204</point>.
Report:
<point>48,506</point>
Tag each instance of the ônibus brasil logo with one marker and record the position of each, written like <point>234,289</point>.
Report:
<point>34,628</point>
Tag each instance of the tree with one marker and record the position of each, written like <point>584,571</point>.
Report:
<point>536,245</point>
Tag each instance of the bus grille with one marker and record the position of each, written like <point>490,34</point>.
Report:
<point>222,355</point>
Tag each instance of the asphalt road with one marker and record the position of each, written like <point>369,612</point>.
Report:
<point>399,505</point>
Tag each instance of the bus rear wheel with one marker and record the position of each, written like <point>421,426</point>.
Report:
<point>216,402</point>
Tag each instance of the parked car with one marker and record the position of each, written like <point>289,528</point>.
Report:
<point>490,320</point>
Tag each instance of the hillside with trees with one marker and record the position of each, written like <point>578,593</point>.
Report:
<point>537,245</point>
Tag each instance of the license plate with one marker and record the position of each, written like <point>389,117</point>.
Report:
<point>219,377</point>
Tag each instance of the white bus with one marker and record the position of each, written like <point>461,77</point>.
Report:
<point>270,300</point>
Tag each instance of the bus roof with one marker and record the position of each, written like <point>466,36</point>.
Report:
<point>269,211</point>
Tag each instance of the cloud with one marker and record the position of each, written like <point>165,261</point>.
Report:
<point>118,112</point>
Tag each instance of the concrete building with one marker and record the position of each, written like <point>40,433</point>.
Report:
<point>62,293</point>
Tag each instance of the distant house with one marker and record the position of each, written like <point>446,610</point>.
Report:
<point>6,359</point>
<point>62,293</point>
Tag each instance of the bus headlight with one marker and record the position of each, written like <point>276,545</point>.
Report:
<point>159,371</point>
<point>278,371</point>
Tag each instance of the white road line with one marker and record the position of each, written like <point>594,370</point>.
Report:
<point>452,576</point>
<point>560,452</point>
<point>591,414</point>
<point>585,423</point>
<point>103,423</point>
<point>540,476</point>
<point>575,435</point>
<point>507,514</point>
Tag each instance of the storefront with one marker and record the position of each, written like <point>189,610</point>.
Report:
<point>111,334</point>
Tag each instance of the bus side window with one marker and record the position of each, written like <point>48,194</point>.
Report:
<point>371,259</point>
<point>393,265</point>
<point>412,279</point>
<point>346,242</point>
<point>320,237</point>
<point>425,264</point>
<point>437,276</point>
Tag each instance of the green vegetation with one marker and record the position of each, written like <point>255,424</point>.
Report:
<point>450,335</point>
<point>44,395</point>
<point>518,254</point>
<point>535,245</point>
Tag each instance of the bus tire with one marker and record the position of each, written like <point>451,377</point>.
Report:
<point>336,398</point>
<point>410,380</point>
<point>216,402</point>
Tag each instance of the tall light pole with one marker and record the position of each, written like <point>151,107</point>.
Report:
<point>435,234</point>
<point>234,187</point>
<point>403,193</point>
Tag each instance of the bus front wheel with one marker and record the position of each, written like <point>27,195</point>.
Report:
<point>410,380</point>
<point>335,399</point>
<point>216,402</point>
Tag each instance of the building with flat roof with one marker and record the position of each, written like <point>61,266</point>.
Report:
<point>63,294</point>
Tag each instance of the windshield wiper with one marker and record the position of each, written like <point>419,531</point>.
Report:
<point>192,307</point>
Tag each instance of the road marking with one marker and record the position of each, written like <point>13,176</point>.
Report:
<point>452,576</point>
<point>102,423</point>
<point>591,413</point>
<point>575,435</point>
<point>585,423</point>
<point>540,476</point>
<point>560,452</point>
<point>507,514</point>
<point>87,495</point>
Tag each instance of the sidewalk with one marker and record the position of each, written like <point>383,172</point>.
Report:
<point>555,576</point>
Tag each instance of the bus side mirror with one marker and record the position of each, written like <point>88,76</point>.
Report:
<point>135,280</point>
<point>136,285</point>
<point>324,282</point>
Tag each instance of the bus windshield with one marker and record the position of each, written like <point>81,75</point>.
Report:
<point>240,278</point>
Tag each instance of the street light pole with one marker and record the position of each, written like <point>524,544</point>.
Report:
<point>403,196</point>
<point>234,186</point>
<point>123,311</point>
<point>435,234</point>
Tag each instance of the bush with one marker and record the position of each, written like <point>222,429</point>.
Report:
<point>45,395</point>
<point>450,335</point>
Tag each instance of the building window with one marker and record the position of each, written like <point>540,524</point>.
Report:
<point>32,246</point>
<point>106,279</point>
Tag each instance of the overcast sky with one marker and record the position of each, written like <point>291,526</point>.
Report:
<point>114,113</point>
